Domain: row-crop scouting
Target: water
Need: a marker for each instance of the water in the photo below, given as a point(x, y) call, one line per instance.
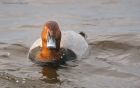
point(112, 27)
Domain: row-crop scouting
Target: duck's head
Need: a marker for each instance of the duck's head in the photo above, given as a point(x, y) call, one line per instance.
point(51, 37)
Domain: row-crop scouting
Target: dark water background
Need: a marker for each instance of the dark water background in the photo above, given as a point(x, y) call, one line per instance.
point(112, 27)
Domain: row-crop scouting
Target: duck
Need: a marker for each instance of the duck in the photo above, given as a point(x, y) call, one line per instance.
point(56, 46)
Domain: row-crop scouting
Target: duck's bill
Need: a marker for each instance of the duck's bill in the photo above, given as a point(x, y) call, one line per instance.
point(51, 43)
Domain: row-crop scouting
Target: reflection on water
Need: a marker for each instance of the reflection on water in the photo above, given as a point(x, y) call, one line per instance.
point(49, 75)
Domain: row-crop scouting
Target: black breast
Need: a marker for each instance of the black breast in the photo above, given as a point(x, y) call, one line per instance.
point(67, 55)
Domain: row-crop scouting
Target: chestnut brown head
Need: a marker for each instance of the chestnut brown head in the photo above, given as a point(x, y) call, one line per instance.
point(51, 36)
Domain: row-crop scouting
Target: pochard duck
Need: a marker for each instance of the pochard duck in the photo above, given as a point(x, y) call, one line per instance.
point(56, 47)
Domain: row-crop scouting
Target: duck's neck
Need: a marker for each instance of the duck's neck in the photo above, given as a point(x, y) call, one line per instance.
point(49, 54)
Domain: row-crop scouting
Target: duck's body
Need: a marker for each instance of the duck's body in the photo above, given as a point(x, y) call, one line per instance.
point(71, 44)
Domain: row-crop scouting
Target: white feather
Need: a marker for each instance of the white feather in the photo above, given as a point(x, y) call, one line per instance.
point(74, 42)
point(37, 43)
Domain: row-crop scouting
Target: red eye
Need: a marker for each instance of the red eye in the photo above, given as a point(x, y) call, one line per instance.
point(49, 34)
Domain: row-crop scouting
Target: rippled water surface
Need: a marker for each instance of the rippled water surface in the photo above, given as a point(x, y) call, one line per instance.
point(112, 28)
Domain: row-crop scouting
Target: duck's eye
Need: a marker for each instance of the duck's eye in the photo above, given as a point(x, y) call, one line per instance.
point(49, 34)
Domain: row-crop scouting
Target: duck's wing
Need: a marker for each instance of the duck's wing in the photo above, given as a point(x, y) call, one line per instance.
point(74, 42)
point(37, 43)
